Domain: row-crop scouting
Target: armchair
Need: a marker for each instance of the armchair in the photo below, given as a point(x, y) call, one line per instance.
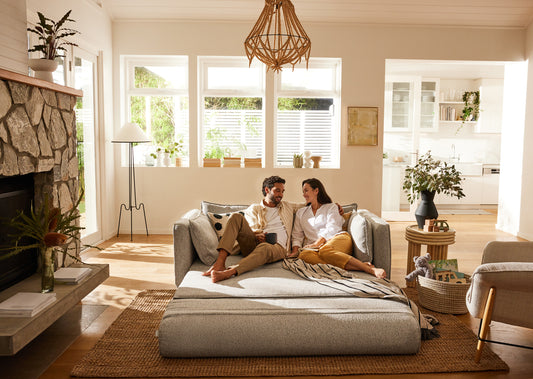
point(502, 288)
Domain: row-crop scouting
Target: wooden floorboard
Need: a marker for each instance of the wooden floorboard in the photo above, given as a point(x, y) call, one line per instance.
point(147, 264)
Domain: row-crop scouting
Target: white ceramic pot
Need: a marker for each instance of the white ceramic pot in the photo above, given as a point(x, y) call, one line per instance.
point(43, 68)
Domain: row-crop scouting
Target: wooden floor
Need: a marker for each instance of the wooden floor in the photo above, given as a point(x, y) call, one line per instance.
point(147, 263)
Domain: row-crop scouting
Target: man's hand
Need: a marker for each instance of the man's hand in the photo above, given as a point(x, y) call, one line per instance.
point(259, 237)
point(341, 211)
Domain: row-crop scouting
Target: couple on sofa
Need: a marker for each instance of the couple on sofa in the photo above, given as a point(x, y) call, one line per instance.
point(317, 235)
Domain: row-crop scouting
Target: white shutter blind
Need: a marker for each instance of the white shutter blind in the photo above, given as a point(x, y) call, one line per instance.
point(242, 129)
point(298, 131)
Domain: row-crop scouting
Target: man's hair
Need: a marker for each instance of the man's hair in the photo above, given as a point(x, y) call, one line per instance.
point(270, 181)
point(322, 196)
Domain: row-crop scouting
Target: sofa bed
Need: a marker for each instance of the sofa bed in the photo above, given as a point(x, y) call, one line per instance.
point(270, 311)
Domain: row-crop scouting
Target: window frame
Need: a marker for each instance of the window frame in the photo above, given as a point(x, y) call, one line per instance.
point(336, 65)
point(204, 63)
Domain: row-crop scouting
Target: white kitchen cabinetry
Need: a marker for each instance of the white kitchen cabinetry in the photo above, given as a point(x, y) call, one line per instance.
point(411, 103)
point(472, 188)
point(490, 105)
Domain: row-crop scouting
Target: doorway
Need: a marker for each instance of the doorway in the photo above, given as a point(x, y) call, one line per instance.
point(423, 112)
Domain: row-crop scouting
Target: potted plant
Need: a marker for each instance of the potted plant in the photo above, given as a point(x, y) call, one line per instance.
point(48, 230)
point(428, 177)
point(298, 160)
point(175, 150)
point(215, 152)
point(52, 44)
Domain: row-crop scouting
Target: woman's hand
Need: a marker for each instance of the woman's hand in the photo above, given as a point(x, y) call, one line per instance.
point(317, 244)
point(294, 253)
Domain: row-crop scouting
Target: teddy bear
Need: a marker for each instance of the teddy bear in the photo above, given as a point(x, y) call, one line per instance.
point(422, 267)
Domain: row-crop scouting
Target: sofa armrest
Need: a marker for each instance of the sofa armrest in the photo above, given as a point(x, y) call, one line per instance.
point(381, 241)
point(184, 253)
point(507, 251)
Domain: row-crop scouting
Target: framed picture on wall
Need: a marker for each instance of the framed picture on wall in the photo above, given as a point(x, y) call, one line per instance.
point(362, 126)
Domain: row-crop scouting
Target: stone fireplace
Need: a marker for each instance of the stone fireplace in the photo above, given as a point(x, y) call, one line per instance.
point(38, 138)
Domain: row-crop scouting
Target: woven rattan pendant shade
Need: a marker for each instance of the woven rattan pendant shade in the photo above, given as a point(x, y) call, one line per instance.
point(278, 38)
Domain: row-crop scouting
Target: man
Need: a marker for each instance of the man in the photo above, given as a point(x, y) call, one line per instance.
point(272, 215)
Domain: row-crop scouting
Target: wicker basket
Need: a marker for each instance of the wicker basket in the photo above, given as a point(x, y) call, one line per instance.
point(441, 296)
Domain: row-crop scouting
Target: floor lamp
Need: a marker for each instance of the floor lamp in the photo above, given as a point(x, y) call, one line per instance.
point(131, 133)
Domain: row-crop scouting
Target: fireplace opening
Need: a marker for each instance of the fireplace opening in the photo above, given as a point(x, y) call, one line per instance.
point(16, 193)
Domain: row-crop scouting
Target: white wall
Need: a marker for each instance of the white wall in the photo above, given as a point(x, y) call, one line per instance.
point(95, 37)
point(13, 41)
point(526, 218)
point(170, 192)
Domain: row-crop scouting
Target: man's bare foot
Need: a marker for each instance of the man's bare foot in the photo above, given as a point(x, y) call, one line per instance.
point(216, 267)
point(379, 273)
point(217, 276)
point(220, 263)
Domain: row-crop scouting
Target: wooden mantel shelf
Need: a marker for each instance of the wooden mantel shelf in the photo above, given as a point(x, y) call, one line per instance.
point(16, 77)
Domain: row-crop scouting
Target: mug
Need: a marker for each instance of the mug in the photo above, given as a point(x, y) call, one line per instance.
point(271, 238)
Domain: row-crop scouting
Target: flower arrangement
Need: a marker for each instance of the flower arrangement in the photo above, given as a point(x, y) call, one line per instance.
point(432, 175)
point(52, 36)
point(48, 230)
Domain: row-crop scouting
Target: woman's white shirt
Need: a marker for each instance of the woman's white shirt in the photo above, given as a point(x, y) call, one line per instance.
point(308, 227)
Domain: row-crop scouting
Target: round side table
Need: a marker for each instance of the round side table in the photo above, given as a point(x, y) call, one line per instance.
point(437, 245)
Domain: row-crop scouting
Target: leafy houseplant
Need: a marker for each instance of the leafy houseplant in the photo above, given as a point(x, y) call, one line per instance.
point(428, 177)
point(48, 230)
point(298, 160)
point(52, 44)
point(52, 36)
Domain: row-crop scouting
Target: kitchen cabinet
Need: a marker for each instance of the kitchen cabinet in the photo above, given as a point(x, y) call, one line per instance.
point(411, 103)
point(491, 106)
point(472, 188)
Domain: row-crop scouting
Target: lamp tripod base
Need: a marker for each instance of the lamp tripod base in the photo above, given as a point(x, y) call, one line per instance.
point(130, 209)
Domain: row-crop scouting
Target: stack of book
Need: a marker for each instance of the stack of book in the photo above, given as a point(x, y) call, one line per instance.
point(26, 304)
point(71, 275)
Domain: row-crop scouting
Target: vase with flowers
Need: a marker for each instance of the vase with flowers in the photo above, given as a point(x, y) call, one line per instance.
point(50, 231)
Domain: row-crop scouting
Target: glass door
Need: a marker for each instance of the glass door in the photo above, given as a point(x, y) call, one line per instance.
point(84, 76)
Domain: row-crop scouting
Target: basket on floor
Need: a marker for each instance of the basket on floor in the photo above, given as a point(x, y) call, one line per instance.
point(443, 297)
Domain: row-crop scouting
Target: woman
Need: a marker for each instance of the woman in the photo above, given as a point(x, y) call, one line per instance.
point(318, 228)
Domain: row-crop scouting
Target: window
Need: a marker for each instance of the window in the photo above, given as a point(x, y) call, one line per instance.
point(157, 99)
point(307, 119)
point(232, 107)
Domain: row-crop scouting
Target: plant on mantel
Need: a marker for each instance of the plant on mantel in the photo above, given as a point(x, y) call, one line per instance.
point(470, 109)
point(52, 36)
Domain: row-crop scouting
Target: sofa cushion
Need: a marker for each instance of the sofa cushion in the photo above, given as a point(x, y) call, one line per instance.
point(221, 208)
point(203, 236)
point(361, 231)
point(219, 221)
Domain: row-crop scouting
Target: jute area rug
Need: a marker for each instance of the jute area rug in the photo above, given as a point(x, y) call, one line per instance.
point(129, 348)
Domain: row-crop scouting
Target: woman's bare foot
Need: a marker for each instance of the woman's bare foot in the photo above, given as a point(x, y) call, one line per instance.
point(379, 273)
point(217, 276)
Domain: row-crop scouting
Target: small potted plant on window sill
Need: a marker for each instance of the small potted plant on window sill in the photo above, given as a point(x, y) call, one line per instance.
point(298, 160)
point(52, 37)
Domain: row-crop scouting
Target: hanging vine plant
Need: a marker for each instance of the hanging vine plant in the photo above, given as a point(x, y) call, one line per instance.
point(471, 107)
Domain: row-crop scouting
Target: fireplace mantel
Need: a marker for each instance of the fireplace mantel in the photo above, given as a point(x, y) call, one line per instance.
point(16, 77)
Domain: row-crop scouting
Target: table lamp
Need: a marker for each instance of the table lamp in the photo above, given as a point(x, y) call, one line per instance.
point(131, 133)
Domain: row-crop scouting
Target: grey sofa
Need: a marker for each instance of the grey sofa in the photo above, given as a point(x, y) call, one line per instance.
point(270, 311)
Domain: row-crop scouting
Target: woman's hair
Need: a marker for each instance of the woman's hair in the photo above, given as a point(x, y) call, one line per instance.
point(322, 197)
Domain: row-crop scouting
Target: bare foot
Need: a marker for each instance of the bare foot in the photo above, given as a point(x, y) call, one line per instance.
point(220, 263)
point(379, 273)
point(217, 276)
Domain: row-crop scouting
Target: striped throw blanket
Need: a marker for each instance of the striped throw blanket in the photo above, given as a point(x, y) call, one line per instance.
point(346, 281)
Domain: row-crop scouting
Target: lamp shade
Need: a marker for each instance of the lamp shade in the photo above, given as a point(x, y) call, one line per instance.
point(130, 132)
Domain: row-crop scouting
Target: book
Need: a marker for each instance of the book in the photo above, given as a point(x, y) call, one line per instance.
point(444, 264)
point(71, 274)
point(26, 304)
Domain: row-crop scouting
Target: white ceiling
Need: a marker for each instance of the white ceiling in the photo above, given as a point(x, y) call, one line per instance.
point(445, 69)
point(471, 13)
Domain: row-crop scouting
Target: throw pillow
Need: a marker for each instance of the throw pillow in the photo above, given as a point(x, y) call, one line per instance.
point(221, 208)
point(346, 217)
point(204, 238)
point(361, 232)
point(219, 221)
